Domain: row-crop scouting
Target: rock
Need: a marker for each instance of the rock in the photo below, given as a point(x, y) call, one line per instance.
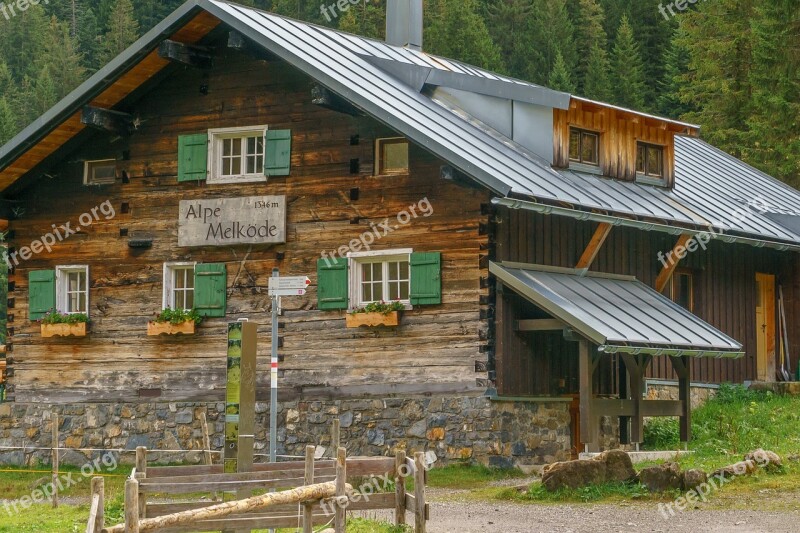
point(185, 416)
point(693, 478)
point(346, 419)
point(742, 468)
point(661, 477)
point(417, 429)
point(618, 465)
point(793, 457)
point(292, 416)
point(766, 459)
point(573, 474)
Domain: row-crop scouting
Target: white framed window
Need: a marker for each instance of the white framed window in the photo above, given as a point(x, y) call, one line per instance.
point(72, 289)
point(380, 276)
point(100, 172)
point(179, 286)
point(236, 155)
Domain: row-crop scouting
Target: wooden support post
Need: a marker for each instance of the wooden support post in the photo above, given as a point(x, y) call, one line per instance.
point(131, 506)
point(671, 262)
point(400, 488)
point(141, 473)
point(590, 254)
point(684, 370)
point(419, 492)
point(98, 490)
point(308, 507)
point(54, 461)
point(637, 366)
point(335, 435)
point(624, 421)
point(585, 371)
point(339, 519)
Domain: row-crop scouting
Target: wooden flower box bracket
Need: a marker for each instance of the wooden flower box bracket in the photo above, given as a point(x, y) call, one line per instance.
point(168, 328)
point(356, 320)
point(77, 329)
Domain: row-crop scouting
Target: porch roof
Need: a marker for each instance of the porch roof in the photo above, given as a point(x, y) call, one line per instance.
point(618, 313)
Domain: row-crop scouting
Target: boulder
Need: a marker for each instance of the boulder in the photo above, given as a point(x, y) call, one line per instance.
point(742, 468)
point(693, 478)
point(573, 474)
point(619, 466)
point(769, 460)
point(662, 477)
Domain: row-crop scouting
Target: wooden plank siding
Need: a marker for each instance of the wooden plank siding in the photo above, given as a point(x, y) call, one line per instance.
point(619, 132)
point(724, 295)
point(434, 349)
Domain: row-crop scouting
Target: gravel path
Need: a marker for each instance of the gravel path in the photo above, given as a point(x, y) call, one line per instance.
point(480, 517)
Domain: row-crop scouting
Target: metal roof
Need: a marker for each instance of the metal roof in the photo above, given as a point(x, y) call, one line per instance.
point(711, 188)
point(618, 313)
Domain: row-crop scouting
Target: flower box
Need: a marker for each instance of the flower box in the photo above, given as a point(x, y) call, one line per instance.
point(168, 328)
point(355, 320)
point(77, 329)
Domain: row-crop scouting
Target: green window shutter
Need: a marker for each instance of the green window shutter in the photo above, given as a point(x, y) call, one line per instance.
point(278, 160)
point(426, 278)
point(192, 157)
point(41, 293)
point(332, 285)
point(210, 289)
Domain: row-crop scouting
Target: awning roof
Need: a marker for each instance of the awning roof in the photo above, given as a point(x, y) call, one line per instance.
point(618, 313)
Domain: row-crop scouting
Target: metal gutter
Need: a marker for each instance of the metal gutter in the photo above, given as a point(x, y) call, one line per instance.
point(675, 352)
point(644, 226)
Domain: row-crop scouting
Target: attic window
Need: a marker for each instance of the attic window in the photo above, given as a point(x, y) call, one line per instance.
point(102, 172)
point(392, 155)
point(236, 155)
point(650, 162)
point(584, 147)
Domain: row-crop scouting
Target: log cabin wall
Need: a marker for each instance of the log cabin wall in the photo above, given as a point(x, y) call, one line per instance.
point(619, 132)
point(332, 197)
point(724, 292)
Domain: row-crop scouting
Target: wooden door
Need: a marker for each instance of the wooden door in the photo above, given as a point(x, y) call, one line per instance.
point(765, 327)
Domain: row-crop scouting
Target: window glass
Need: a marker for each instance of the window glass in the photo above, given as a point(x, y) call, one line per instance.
point(584, 146)
point(574, 144)
point(388, 280)
point(682, 290)
point(182, 294)
point(393, 155)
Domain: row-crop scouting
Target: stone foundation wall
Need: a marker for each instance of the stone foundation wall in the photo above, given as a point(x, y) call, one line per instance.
point(472, 428)
point(660, 391)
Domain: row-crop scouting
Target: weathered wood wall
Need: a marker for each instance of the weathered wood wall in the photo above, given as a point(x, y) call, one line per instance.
point(619, 132)
point(435, 348)
point(724, 278)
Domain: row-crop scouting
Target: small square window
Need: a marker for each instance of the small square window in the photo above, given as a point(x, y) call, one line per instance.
point(392, 155)
point(650, 161)
point(102, 172)
point(179, 286)
point(584, 147)
point(72, 289)
point(681, 289)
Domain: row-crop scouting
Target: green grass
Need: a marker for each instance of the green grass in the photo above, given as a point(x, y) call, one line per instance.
point(606, 492)
point(464, 476)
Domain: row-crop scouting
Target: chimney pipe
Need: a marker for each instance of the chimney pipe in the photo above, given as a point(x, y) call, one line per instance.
point(404, 23)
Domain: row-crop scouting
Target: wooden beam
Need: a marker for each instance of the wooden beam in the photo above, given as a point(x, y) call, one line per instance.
point(588, 425)
point(121, 124)
point(323, 97)
point(671, 261)
point(684, 370)
point(544, 324)
point(590, 254)
point(187, 54)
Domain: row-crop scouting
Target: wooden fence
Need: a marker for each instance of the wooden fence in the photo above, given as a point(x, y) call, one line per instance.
point(313, 493)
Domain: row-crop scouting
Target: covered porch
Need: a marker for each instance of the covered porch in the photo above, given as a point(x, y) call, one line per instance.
point(614, 326)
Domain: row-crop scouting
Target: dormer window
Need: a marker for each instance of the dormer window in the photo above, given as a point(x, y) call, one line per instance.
point(584, 147)
point(650, 163)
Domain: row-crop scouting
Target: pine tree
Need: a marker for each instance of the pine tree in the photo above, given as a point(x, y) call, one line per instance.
point(61, 58)
point(553, 33)
point(627, 69)
point(510, 23)
point(454, 29)
point(774, 136)
point(89, 40)
point(45, 94)
point(123, 30)
point(669, 102)
point(367, 19)
point(589, 33)
point(8, 122)
point(597, 82)
point(560, 77)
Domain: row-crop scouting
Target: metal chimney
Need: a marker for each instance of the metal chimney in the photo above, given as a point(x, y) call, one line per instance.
point(404, 23)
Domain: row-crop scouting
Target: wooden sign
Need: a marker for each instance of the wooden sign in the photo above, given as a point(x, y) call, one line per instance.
point(226, 221)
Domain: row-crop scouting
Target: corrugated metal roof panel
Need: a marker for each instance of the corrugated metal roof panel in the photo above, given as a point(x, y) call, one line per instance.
point(614, 311)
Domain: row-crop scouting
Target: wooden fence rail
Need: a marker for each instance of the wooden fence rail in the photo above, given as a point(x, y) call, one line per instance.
point(312, 493)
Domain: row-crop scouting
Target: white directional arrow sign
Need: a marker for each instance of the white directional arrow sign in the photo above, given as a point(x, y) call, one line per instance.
point(288, 286)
